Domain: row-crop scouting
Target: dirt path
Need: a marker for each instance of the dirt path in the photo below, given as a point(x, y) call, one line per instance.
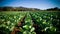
point(20, 24)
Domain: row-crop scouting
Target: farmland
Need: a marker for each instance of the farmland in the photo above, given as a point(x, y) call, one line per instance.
point(24, 22)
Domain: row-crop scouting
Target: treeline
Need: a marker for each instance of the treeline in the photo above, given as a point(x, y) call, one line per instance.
point(53, 9)
point(18, 9)
point(26, 9)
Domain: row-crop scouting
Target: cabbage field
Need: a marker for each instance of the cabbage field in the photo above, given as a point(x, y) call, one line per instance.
point(25, 22)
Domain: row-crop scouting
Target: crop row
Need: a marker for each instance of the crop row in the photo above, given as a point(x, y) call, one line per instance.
point(46, 22)
point(9, 21)
point(30, 22)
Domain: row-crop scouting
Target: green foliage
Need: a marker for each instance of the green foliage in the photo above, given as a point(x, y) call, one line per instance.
point(48, 22)
point(9, 20)
point(34, 22)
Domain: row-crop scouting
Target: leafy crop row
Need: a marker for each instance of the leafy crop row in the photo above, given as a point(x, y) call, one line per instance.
point(9, 21)
point(34, 22)
point(48, 22)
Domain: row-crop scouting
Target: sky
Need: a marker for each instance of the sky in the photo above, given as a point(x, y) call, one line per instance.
point(40, 4)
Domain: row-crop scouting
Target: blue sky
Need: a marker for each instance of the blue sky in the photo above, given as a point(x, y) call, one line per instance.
point(40, 4)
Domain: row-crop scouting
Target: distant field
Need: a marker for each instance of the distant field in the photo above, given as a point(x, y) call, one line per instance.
point(26, 22)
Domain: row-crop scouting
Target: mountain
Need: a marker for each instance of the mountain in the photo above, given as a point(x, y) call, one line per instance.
point(18, 9)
